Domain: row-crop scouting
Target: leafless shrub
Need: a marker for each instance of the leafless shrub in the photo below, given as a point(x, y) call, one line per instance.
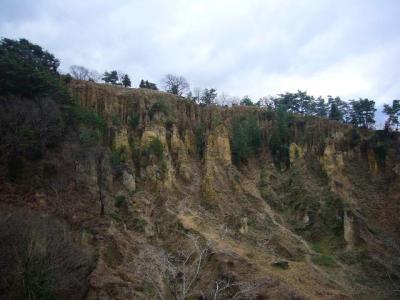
point(177, 272)
point(38, 260)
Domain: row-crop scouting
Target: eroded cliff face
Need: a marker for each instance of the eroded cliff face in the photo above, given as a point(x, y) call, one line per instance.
point(182, 220)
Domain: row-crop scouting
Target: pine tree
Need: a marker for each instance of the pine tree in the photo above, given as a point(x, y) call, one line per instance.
point(363, 113)
point(126, 81)
point(393, 113)
point(110, 77)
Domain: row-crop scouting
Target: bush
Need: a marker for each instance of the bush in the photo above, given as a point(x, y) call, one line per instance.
point(169, 123)
point(38, 260)
point(118, 158)
point(156, 148)
point(88, 137)
point(134, 120)
point(90, 118)
point(159, 106)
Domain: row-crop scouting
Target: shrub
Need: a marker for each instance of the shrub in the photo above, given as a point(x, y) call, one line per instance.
point(159, 106)
point(90, 118)
point(118, 158)
point(134, 120)
point(156, 148)
point(169, 122)
point(38, 260)
point(88, 137)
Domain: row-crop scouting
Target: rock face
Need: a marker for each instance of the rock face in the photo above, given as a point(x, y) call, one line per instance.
point(128, 179)
point(181, 209)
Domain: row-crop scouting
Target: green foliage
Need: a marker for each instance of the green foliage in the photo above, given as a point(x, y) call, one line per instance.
point(363, 113)
point(246, 138)
point(89, 137)
point(155, 147)
point(92, 126)
point(169, 122)
point(200, 135)
point(27, 70)
point(90, 118)
point(126, 81)
point(354, 138)
point(393, 113)
point(246, 101)
point(118, 158)
point(208, 96)
point(148, 85)
point(134, 120)
point(115, 216)
point(279, 142)
point(324, 260)
point(159, 106)
point(110, 77)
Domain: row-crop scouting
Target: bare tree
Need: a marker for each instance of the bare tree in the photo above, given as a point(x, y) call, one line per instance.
point(94, 76)
point(79, 72)
point(176, 85)
point(197, 94)
point(235, 290)
point(180, 270)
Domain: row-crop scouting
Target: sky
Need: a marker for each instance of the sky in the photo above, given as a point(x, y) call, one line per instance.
point(257, 48)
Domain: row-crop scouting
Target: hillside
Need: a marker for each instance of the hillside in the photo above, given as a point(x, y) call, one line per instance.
point(164, 200)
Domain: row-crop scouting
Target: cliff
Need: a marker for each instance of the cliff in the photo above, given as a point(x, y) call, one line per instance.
point(184, 218)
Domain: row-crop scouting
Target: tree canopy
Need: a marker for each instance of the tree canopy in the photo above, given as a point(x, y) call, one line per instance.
point(110, 77)
point(393, 113)
point(26, 69)
point(148, 85)
point(126, 82)
point(362, 113)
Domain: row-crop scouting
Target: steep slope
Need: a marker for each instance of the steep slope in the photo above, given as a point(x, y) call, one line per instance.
point(183, 218)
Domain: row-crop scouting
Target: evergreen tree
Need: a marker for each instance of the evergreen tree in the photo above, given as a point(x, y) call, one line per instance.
point(279, 142)
point(110, 77)
point(321, 108)
point(27, 70)
point(363, 113)
point(393, 113)
point(126, 81)
point(148, 85)
point(208, 96)
point(246, 138)
point(246, 101)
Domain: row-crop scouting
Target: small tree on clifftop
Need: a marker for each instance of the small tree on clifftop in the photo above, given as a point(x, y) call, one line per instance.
point(126, 81)
point(110, 77)
point(176, 85)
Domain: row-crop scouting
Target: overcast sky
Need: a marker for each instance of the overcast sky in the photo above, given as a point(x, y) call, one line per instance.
point(347, 48)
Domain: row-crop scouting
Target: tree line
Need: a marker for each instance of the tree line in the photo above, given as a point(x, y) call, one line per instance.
point(40, 66)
